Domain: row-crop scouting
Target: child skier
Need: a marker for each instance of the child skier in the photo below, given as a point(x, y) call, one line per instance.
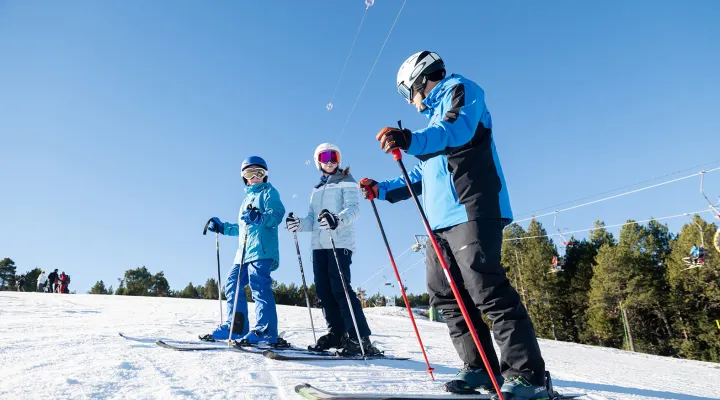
point(260, 214)
point(333, 209)
point(467, 204)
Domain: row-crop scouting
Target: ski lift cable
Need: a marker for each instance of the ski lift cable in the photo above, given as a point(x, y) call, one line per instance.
point(386, 266)
point(702, 190)
point(362, 89)
point(617, 195)
point(608, 226)
point(416, 263)
point(347, 59)
point(619, 188)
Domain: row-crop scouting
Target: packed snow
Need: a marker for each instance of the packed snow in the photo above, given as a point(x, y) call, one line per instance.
point(68, 347)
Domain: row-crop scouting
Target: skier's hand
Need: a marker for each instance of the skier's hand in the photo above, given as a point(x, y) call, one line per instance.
point(394, 138)
point(252, 217)
point(215, 225)
point(369, 188)
point(292, 223)
point(328, 220)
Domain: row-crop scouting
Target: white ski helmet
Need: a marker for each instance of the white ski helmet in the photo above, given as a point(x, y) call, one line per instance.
point(325, 147)
point(414, 71)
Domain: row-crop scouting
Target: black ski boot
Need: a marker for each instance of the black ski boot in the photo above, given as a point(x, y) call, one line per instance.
point(331, 340)
point(469, 380)
point(351, 346)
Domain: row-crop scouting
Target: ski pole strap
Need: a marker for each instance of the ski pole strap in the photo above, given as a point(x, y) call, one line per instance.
point(206, 226)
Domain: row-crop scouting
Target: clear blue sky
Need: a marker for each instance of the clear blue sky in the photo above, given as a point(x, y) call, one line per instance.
point(123, 123)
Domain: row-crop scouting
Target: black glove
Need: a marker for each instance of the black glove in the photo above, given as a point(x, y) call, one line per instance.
point(393, 138)
point(328, 220)
point(292, 223)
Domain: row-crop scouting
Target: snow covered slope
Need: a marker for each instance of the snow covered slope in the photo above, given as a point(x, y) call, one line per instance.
point(67, 347)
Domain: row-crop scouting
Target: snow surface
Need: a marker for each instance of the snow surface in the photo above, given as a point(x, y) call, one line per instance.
point(67, 346)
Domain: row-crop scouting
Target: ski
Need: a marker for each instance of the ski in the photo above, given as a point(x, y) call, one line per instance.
point(305, 355)
point(312, 393)
point(167, 341)
point(218, 345)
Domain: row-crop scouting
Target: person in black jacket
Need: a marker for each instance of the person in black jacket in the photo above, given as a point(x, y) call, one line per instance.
point(53, 281)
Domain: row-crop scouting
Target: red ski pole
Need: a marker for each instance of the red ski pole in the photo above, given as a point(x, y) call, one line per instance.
point(402, 289)
point(397, 155)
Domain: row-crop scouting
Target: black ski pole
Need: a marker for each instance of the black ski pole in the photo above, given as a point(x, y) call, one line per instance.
point(305, 288)
point(397, 155)
point(217, 254)
point(347, 296)
point(237, 284)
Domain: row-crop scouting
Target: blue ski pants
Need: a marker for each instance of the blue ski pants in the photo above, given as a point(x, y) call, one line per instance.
point(257, 275)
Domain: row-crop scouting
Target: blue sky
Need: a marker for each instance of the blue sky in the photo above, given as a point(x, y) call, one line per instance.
point(123, 124)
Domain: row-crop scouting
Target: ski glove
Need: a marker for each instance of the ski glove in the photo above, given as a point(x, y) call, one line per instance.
point(369, 188)
point(252, 217)
point(328, 220)
point(215, 225)
point(292, 223)
point(394, 138)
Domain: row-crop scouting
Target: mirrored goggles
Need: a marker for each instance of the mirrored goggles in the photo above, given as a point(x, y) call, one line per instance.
point(329, 156)
point(405, 91)
point(250, 173)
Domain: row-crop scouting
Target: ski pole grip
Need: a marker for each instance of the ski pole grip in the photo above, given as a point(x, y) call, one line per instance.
point(397, 155)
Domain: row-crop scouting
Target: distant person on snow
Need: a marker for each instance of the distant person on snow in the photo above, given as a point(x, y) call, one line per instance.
point(64, 282)
point(53, 281)
point(20, 284)
point(467, 205)
point(260, 214)
point(334, 208)
point(41, 281)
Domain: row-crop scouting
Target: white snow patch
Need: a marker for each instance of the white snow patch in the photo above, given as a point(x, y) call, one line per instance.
point(68, 347)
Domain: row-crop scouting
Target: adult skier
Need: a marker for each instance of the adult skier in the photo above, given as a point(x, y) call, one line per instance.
point(20, 284)
point(467, 205)
point(334, 208)
point(41, 281)
point(53, 281)
point(260, 214)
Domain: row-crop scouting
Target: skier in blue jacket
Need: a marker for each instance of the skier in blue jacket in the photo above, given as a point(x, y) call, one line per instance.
point(467, 205)
point(260, 214)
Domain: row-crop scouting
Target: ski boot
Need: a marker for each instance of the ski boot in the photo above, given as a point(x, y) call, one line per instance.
point(520, 388)
point(331, 340)
point(351, 346)
point(261, 339)
point(222, 332)
point(469, 380)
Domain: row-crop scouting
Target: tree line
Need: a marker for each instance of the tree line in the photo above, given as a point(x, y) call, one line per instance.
point(631, 292)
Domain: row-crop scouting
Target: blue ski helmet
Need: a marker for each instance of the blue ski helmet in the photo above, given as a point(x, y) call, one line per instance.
point(253, 160)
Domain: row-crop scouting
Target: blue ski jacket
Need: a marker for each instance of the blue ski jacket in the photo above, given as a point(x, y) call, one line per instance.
point(262, 240)
point(459, 175)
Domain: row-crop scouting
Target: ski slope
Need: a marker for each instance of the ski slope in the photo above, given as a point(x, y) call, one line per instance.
point(68, 347)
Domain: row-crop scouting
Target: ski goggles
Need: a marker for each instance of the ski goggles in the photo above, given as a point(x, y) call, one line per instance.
point(405, 91)
point(329, 156)
point(250, 173)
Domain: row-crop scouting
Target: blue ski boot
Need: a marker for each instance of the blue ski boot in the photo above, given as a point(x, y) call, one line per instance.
point(221, 333)
point(469, 380)
point(520, 388)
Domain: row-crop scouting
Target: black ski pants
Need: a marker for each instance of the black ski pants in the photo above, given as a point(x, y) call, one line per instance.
point(472, 251)
point(331, 296)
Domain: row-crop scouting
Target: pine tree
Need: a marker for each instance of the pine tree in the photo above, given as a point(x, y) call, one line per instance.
point(99, 288)
point(190, 292)
point(694, 295)
point(211, 290)
point(7, 274)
